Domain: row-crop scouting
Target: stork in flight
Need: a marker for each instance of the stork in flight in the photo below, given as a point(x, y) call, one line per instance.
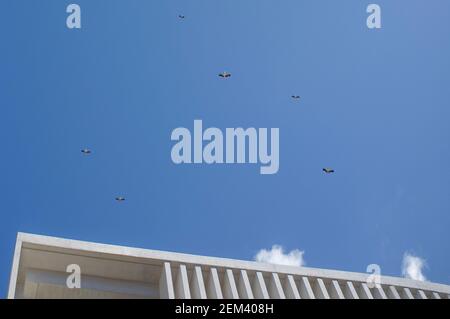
point(86, 151)
point(224, 75)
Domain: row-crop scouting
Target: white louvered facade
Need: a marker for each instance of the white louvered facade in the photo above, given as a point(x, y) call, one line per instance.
point(107, 271)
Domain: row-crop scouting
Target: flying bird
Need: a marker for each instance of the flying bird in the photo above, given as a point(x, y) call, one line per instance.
point(120, 198)
point(224, 75)
point(181, 16)
point(295, 97)
point(86, 151)
point(328, 170)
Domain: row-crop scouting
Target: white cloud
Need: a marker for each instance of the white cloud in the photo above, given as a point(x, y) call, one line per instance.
point(412, 267)
point(277, 256)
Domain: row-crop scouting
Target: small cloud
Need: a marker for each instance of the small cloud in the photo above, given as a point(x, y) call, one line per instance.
point(277, 256)
point(412, 267)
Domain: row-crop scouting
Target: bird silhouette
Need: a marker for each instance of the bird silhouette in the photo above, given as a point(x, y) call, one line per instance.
point(120, 198)
point(224, 75)
point(295, 96)
point(181, 16)
point(328, 170)
point(86, 151)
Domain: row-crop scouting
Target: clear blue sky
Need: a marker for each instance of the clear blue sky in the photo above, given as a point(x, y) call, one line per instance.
point(375, 106)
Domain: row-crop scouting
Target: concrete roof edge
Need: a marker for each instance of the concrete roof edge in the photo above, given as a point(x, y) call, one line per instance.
point(15, 267)
point(64, 243)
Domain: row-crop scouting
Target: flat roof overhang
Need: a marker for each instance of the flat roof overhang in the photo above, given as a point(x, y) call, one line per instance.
point(128, 272)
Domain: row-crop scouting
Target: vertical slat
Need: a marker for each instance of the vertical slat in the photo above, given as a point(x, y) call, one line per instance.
point(229, 286)
point(166, 290)
point(436, 295)
point(305, 289)
point(259, 287)
point(336, 291)
point(421, 294)
point(406, 293)
point(364, 291)
point(213, 289)
point(291, 288)
point(198, 286)
point(393, 293)
point(182, 290)
point(350, 291)
point(244, 287)
point(379, 293)
point(320, 291)
point(275, 288)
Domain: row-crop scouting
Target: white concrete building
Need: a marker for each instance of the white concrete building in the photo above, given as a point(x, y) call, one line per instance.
point(107, 271)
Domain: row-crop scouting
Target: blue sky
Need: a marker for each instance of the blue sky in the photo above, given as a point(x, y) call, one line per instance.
point(375, 106)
